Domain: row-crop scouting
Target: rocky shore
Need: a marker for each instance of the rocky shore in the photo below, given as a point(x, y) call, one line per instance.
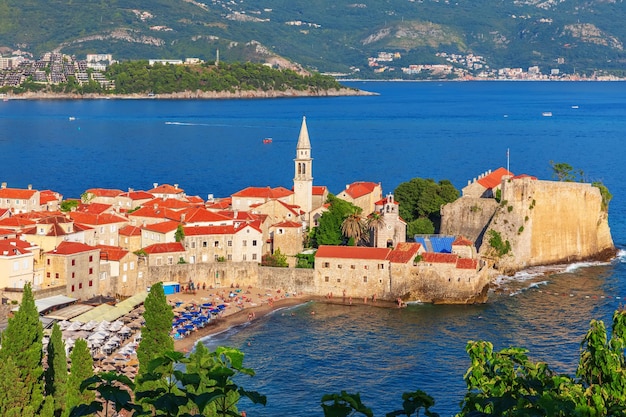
point(187, 95)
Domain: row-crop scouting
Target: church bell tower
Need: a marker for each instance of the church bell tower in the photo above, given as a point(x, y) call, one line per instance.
point(303, 178)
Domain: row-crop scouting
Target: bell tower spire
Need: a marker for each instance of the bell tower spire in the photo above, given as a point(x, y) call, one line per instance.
point(303, 176)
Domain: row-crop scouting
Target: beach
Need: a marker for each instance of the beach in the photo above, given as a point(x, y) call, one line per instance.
point(250, 304)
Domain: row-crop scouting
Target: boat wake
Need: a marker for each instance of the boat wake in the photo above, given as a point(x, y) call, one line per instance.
point(186, 124)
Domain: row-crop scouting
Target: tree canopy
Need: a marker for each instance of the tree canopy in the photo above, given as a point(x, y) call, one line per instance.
point(422, 199)
point(329, 228)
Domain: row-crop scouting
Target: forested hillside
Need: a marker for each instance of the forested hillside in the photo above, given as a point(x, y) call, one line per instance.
point(340, 35)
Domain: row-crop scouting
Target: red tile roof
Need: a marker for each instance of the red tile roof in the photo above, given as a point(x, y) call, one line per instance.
point(466, 263)
point(96, 219)
point(158, 213)
point(264, 192)
point(360, 188)
point(104, 192)
point(439, 258)
point(404, 252)
point(17, 193)
point(14, 247)
point(137, 195)
point(319, 190)
point(164, 248)
point(130, 230)
point(166, 189)
point(170, 203)
point(3, 211)
point(495, 178)
point(221, 204)
point(288, 224)
point(111, 253)
point(16, 221)
point(163, 227)
point(383, 201)
point(462, 241)
point(6, 232)
point(201, 215)
point(352, 252)
point(238, 215)
point(194, 199)
point(71, 248)
point(209, 230)
point(47, 196)
point(93, 208)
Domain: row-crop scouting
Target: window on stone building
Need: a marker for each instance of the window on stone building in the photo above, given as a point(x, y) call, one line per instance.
point(338, 279)
point(326, 279)
point(352, 266)
point(159, 261)
point(72, 288)
point(47, 261)
point(254, 243)
point(90, 258)
point(215, 257)
point(193, 244)
point(56, 275)
point(73, 274)
point(170, 260)
point(230, 243)
point(244, 243)
point(80, 285)
point(339, 266)
point(364, 278)
point(254, 256)
point(244, 257)
point(90, 271)
point(326, 264)
point(132, 265)
point(90, 283)
point(205, 244)
point(366, 267)
point(216, 243)
point(230, 257)
point(73, 262)
point(47, 274)
point(381, 266)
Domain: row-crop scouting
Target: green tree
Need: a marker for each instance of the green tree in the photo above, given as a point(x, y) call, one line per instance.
point(353, 227)
point(423, 198)
point(68, 205)
point(179, 235)
point(155, 335)
point(277, 259)
point(328, 230)
point(604, 192)
point(56, 375)
point(421, 226)
point(80, 370)
point(13, 394)
point(22, 342)
point(374, 223)
point(565, 172)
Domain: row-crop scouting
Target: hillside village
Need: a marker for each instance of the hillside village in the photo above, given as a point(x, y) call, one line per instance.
point(114, 244)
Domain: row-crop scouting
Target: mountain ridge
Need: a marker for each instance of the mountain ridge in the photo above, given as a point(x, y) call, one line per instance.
point(339, 36)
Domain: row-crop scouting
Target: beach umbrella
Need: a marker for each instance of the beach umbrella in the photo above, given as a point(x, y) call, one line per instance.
point(64, 324)
point(125, 330)
point(90, 325)
point(109, 368)
point(75, 326)
point(104, 325)
point(116, 326)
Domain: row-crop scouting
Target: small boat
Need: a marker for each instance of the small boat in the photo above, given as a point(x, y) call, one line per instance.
point(574, 107)
point(267, 140)
point(72, 118)
point(547, 114)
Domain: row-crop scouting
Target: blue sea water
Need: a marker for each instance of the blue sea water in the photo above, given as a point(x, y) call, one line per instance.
point(436, 130)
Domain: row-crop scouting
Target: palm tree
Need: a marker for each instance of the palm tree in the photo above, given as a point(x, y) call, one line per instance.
point(354, 227)
point(375, 222)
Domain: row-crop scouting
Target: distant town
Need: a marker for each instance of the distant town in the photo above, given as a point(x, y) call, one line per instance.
point(56, 69)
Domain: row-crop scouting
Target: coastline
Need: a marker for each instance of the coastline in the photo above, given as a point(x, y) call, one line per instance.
point(234, 319)
point(195, 95)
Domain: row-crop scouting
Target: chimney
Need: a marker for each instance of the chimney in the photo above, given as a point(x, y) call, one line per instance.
point(4, 185)
point(30, 186)
point(155, 184)
point(130, 190)
point(182, 217)
point(175, 185)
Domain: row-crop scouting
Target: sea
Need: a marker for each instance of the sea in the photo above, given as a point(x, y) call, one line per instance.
point(447, 130)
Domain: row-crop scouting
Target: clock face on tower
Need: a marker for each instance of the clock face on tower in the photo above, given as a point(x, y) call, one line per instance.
point(389, 227)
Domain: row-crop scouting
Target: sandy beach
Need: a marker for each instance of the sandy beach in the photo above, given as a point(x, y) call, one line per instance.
point(250, 304)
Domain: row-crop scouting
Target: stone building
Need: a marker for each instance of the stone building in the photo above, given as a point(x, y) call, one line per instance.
point(119, 270)
point(487, 184)
point(303, 176)
point(362, 194)
point(19, 200)
point(391, 229)
point(17, 258)
point(75, 264)
point(288, 236)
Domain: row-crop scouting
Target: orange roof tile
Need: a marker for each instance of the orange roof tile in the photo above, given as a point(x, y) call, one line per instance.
point(462, 241)
point(130, 230)
point(17, 193)
point(221, 204)
point(264, 192)
point(495, 178)
point(71, 248)
point(170, 203)
point(209, 230)
point(137, 195)
point(360, 188)
point(93, 208)
point(466, 263)
point(14, 247)
point(166, 189)
point(404, 252)
point(352, 252)
point(439, 258)
point(16, 221)
point(163, 227)
point(6, 232)
point(104, 192)
point(319, 190)
point(158, 213)
point(288, 224)
point(111, 253)
point(96, 219)
point(164, 248)
point(201, 215)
